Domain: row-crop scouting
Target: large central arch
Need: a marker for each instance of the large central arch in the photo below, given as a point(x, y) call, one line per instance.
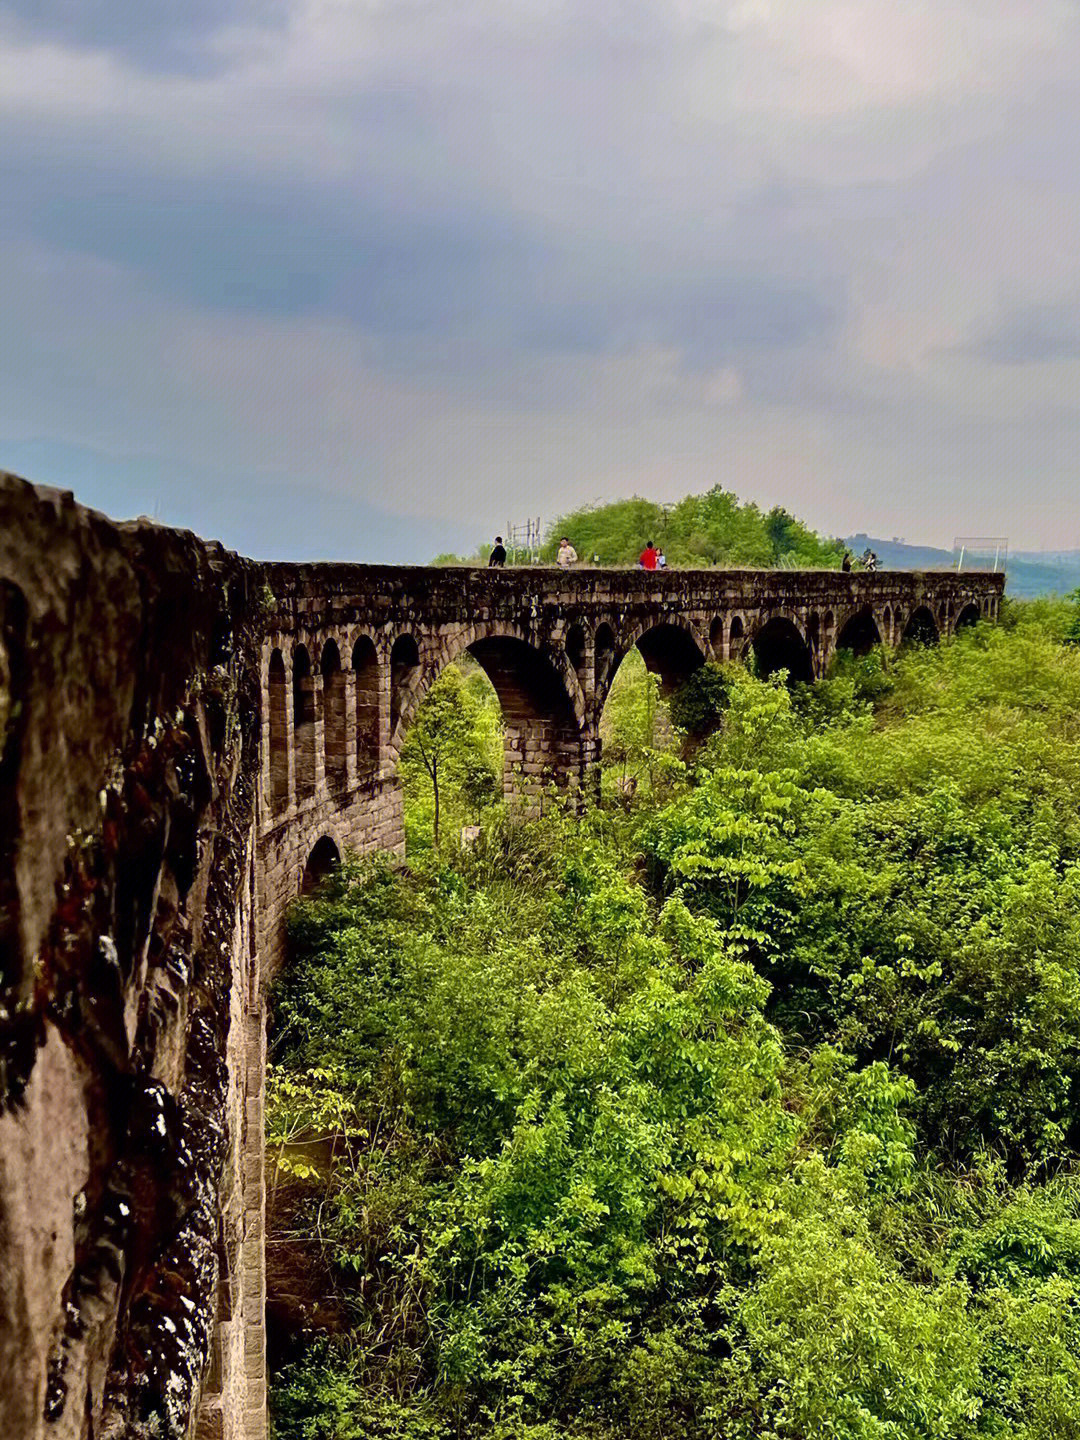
point(539, 696)
point(921, 628)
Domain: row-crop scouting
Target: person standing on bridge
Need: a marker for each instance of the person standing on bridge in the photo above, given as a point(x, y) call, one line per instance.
point(497, 558)
point(567, 555)
point(845, 564)
point(649, 556)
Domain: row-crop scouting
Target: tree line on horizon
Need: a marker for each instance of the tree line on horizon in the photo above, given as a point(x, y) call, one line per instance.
point(713, 529)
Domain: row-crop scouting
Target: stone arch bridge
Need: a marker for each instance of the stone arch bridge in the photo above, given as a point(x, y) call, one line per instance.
point(348, 653)
point(184, 737)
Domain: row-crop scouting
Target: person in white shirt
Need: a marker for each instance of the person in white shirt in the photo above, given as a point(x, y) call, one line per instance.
point(661, 560)
point(567, 555)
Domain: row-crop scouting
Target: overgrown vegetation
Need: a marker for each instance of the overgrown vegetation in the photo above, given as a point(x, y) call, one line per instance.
point(744, 1106)
point(452, 760)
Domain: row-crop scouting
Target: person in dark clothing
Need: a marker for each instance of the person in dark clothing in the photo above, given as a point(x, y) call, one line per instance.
point(845, 564)
point(497, 557)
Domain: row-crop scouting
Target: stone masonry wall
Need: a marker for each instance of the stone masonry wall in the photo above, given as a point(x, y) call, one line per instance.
point(129, 745)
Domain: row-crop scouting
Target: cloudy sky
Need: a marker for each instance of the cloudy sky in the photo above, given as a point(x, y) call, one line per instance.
point(365, 278)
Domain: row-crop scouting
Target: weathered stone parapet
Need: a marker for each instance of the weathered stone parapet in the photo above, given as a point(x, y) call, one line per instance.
point(130, 755)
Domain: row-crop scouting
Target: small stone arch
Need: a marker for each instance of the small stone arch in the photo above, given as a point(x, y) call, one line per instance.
point(576, 646)
point(779, 645)
point(716, 637)
point(365, 665)
point(303, 722)
point(859, 632)
point(736, 637)
point(921, 628)
point(969, 615)
point(334, 738)
point(278, 737)
point(605, 657)
point(323, 859)
point(404, 675)
point(813, 637)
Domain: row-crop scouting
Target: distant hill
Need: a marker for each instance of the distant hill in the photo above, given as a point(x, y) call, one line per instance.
point(1028, 574)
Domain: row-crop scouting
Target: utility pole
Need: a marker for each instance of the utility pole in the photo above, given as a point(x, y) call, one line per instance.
point(523, 541)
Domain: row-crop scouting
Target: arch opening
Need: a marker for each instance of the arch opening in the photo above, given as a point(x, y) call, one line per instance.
point(325, 857)
point(672, 653)
point(736, 638)
point(921, 628)
point(452, 757)
point(542, 739)
point(334, 713)
point(303, 722)
point(365, 664)
point(859, 633)
point(527, 719)
point(576, 646)
point(813, 638)
point(605, 656)
point(635, 730)
point(404, 673)
point(779, 645)
point(716, 637)
point(969, 615)
point(279, 733)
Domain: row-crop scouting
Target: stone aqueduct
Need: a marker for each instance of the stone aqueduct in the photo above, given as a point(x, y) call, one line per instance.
point(187, 737)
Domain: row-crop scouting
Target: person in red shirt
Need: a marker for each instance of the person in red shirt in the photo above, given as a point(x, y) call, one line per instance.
point(648, 557)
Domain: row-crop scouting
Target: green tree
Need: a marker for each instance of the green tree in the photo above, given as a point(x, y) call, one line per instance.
point(710, 529)
point(449, 743)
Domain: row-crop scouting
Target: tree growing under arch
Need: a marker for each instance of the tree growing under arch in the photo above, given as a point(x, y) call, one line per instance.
point(453, 744)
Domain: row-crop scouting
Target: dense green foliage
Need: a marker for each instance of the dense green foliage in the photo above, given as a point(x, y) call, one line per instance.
point(710, 529)
point(452, 759)
point(700, 530)
point(744, 1109)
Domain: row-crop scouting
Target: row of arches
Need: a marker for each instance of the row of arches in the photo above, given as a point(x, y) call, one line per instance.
point(365, 705)
point(779, 644)
point(351, 714)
